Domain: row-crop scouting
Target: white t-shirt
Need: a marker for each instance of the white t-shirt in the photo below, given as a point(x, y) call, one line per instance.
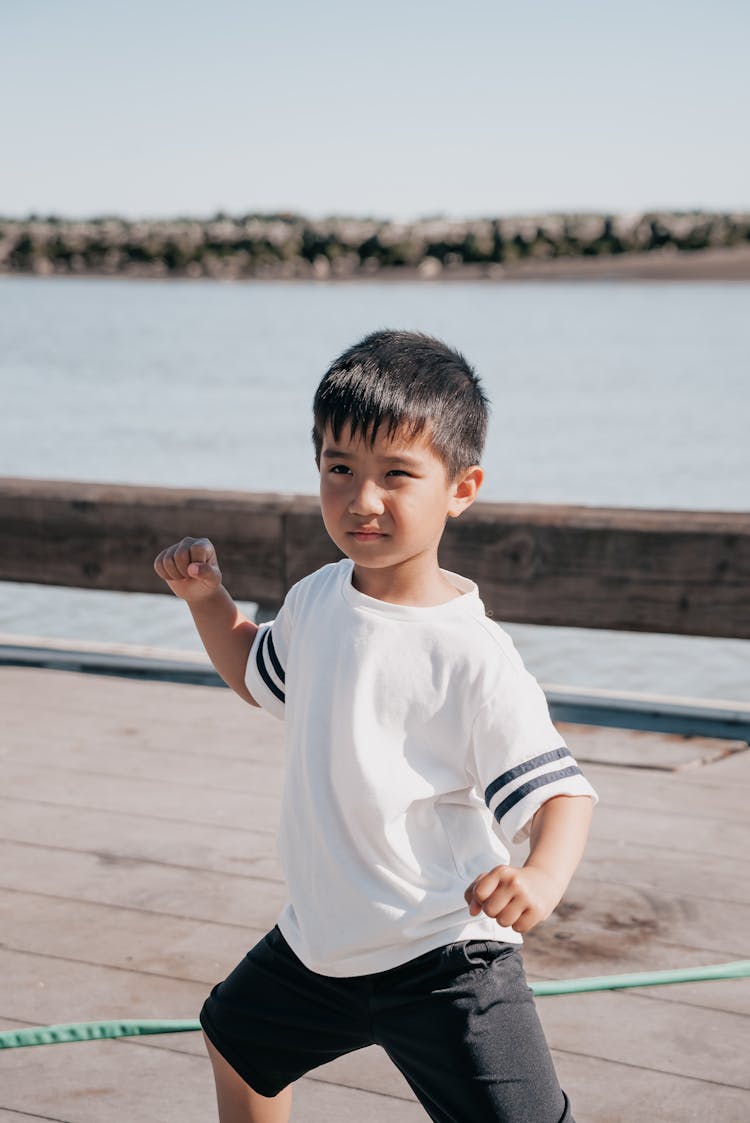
point(417, 744)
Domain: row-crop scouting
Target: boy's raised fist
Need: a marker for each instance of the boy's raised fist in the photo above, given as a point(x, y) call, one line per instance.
point(190, 568)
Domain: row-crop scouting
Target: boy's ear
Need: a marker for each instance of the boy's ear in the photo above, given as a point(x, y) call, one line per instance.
point(464, 490)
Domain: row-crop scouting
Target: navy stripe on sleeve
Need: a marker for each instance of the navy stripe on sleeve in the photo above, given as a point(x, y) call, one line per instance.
point(531, 785)
point(259, 659)
point(522, 769)
point(274, 658)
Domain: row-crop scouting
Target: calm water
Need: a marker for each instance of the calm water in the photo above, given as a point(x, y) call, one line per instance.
point(603, 393)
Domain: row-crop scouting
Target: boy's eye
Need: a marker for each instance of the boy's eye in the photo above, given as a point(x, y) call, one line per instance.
point(339, 468)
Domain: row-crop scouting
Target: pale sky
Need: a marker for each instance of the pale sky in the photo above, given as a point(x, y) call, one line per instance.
point(393, 108)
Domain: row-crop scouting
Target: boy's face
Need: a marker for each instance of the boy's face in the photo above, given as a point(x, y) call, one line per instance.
point(388, 505)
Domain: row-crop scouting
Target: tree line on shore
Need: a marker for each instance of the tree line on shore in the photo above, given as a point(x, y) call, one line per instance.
point(290, 245)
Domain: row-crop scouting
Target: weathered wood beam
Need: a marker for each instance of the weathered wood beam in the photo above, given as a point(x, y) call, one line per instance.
point(644, 570)
point(686, 572)
point(106, 536)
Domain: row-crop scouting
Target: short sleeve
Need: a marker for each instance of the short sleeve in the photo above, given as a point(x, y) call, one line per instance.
point(265, 674)
point(520, 758)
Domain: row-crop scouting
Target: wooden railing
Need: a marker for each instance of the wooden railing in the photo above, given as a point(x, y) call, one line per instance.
point(686, 572)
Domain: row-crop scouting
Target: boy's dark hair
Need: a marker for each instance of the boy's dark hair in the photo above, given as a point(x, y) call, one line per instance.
point(410, 381)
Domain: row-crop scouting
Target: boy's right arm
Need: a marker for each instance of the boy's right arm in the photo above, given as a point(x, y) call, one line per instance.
point(191, 570)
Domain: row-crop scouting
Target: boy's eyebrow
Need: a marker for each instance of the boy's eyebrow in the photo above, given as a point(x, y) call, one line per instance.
point(399, 458)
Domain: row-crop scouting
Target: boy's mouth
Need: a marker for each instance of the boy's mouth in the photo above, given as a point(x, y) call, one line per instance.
point(365, 535)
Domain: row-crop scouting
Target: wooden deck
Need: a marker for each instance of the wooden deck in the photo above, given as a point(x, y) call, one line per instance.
point(137, 865)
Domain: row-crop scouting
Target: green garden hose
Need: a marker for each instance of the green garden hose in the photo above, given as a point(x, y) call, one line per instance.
point(97, 1031)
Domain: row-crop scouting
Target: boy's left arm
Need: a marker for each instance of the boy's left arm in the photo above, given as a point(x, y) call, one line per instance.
point(519, 898)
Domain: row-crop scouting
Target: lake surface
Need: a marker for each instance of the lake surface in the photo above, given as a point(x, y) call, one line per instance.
point(604, 393)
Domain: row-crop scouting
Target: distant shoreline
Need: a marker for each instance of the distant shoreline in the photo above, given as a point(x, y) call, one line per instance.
point(720, 264)
point(660, 246)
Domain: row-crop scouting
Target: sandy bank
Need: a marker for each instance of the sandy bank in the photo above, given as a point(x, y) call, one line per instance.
point(694, 265)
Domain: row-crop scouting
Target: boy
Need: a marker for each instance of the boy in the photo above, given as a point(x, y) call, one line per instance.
point(417, 744)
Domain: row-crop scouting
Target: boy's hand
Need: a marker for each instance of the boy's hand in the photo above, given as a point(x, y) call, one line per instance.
point(190, 568)
point(515, 898)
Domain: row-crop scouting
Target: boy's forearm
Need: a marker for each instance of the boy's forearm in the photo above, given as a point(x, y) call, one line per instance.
point(227, 636)
point(558, 837)
point(521, 898)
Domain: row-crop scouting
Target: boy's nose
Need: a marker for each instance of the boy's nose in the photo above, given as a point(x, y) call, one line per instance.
point(366, 500)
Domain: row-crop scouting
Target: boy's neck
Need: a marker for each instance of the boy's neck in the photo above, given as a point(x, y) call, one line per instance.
point(418, 583)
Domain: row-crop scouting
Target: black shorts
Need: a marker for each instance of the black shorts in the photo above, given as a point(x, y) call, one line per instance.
point(459, 1022)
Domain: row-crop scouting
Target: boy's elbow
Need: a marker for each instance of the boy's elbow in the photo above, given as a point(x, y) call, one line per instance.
point(241, 690)
point(236, 682)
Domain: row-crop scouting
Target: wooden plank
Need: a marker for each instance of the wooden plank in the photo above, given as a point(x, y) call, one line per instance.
point(671, 793)
point(609, 1092)
point(184, 894)
point(7, 1115)
point(118, 712)
point(184, 845)
point(671, 830)
point(596, 917)
point(249, 811)
point(127, 939)
point(733, 772)
point(636, 748)
point(618, 1026)
point(634, 570)
point(669, 870)
point(193, 769)
point(106, 536)
point(732, 996)
point(44, 994)
point(684, 572)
